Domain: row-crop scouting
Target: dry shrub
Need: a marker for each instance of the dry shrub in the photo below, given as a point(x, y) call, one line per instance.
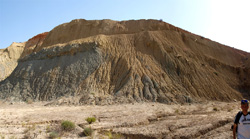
point(67, 125)
point(90, 120)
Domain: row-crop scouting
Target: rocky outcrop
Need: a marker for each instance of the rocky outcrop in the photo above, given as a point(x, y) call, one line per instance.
point(34, 44)
point(52, 73)
point(105, 62)
point(8, 59)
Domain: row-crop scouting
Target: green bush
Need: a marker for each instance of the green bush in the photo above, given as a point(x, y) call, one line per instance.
point(68, 125)
point(113, 135)
point(53, 135)
point(91, 120)
point(87, 131)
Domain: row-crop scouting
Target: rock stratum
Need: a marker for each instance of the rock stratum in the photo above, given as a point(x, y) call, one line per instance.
point(106, 62)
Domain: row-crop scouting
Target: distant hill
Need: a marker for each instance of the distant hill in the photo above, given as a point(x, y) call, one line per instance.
point(105, 62)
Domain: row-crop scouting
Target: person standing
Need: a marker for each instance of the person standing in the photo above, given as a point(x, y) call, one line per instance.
point(242, 122)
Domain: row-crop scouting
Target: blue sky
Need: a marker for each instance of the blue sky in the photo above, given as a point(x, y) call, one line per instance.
point(224, 21)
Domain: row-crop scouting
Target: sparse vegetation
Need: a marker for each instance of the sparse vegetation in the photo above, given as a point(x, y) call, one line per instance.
point(2, 137)
point(12, 137)
point(48, 129)
point(28, 134)
point(23, 124)
point(109, 134)
point(26, 130)
point(216, 73)
point(215, 109)
point(53, 135)
point(113, 135)
point(87, 131)
point(177, 111)
point(29, 101)
point(90, 120)
point(230, 109)
point(67, 125)
point(33, 127)
point(29, 128)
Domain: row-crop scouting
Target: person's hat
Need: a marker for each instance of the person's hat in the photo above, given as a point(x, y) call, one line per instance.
point(244, 101)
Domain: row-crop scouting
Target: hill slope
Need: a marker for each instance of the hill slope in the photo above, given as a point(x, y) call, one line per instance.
point(105, 62)
point(8, 59)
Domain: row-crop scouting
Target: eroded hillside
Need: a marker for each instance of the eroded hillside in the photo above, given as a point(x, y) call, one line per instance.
point(8, 59)
point(106, 62)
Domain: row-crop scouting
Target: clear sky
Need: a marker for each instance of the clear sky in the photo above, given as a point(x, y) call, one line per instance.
point(224, 21)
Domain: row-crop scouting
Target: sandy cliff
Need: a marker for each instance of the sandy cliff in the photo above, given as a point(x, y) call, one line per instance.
point(105, 62)
point(8, 59)
point(34, 44)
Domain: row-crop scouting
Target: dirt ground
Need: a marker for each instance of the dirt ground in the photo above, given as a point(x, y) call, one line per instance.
point(139, 120)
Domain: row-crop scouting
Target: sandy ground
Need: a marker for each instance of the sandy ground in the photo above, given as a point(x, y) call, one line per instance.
point(139, 120)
